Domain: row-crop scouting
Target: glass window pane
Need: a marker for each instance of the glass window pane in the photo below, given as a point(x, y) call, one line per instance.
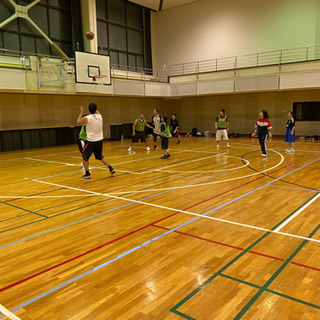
point(28, 44)
point(104, 52)
point(117, 37)
point(134, 16)
point(114, 58)
point(43, 47)
point(39, 15)
point(60, 24)
point(102, 34)
point(135, 41)
point(63, 4)
point(132, 61)
point(123, 59)
point(6, 10)
point(11, 41)
point(140, 63)
point(101, 9)
point(116, 11)
point(68, 49)
point(1, 42)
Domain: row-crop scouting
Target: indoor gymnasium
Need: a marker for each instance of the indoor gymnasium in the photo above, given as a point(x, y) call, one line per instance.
point(159, 159)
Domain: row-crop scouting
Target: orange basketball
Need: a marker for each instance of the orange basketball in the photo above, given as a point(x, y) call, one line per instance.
point(90, 35)
point(252, 136)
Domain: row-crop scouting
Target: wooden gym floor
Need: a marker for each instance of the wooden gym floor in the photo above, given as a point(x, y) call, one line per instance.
point(206, 234)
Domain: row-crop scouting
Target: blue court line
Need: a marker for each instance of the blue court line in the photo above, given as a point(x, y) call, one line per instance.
point(109, 210)
point(148, 242)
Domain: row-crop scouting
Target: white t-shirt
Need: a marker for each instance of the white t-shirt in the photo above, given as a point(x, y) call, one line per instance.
point(94, 127)
point(156, 122)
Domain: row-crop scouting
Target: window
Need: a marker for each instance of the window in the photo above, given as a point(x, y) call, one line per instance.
point(124, 34)
point(52, 16)
point(307, 111)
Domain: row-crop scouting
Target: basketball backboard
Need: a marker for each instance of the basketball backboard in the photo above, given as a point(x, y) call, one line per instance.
point(91, 65)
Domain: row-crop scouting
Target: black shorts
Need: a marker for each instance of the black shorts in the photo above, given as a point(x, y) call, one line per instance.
point(81, 144)
point(139, 135)
point(92, 147)
point(164, 143)
point(155, 135)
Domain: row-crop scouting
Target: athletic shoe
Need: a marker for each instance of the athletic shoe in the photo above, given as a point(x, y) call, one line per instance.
point(179, 142)
point(288, 150)
point(155, 148)
point(228, 145)
point(112, 171)
point(148, 148)
point(86, 176)
point(218, 146)
point(130, 149)
point(263, 155)
point(168, 155)
point(164, 157)
point(291, 150)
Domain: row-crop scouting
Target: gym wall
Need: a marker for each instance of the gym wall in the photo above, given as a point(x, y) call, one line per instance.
point(208, 29)
point(243, 111)
point(28, 111)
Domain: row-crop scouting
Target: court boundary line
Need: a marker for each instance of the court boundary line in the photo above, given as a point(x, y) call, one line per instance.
point(306, 205)
point(125, 235)
point(6, 312)
point(146, 243)
point(49, 217)
point(192, 213)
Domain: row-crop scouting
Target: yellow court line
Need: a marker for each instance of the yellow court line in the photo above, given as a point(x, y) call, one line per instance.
point(206, 183)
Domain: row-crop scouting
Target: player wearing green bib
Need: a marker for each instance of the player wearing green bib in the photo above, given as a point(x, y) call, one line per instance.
point(165, 135)
point(82, 140)
point(138, 131)
point(222, 128)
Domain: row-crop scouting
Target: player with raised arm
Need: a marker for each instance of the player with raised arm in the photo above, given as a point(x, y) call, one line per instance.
point(94, 144)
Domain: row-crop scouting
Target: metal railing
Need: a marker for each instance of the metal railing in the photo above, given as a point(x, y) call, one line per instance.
point(261, 59)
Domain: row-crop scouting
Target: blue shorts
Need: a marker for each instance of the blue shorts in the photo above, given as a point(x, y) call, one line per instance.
point(289, 137)
point(164, 143)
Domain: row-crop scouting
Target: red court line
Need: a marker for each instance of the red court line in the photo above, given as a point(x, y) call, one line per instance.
point(128, 234)
point(237, 248)
point(200, 238)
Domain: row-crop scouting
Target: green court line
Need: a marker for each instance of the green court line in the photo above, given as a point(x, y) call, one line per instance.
point(18, 216)
point(26, 210)
point(273, 292)
point(274, 276)
point(218, 273)
point(86, 206)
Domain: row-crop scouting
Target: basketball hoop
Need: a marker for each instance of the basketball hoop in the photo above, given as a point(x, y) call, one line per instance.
point(99, 78)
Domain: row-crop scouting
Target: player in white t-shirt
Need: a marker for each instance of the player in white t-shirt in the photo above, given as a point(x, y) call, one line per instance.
point(156, 120)
point(94, 145)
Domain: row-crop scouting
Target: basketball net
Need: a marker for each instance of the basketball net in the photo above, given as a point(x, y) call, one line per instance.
point(98, 79)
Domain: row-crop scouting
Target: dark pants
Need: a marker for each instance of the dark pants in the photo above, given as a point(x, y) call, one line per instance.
point(262, 140)
point(155, 136)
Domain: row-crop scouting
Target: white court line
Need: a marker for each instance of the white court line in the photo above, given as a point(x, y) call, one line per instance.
point(206, 183)
point(306, 205)
point(180, 211)
point(40, 197)
point(8, 313)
